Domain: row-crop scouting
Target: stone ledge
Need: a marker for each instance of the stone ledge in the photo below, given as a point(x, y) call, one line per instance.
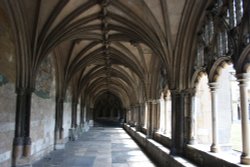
point(159, 153)
point(163, 139)
point(203, 157)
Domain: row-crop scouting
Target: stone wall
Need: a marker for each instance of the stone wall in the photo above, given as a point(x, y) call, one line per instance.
point(7, 91)
point(42, 126)
point(78, 114)
point(7, 122)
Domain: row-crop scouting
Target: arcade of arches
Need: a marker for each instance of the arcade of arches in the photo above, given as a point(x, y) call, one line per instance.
point(173, 73)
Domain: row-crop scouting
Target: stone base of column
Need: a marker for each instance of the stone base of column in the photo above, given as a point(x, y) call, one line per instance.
point(73, 134)
point(214, 148)
point(220, 147)
point(57, 135)
point(17, 151)
point(22, 162)
point(173, 151)
point(86, 127)
point(245, 159)
point(27, 147)
point(149, 134)
point(61, 136)
point(17, 147)
point(130, 123)
point(79, 130)
point(27, 150)
point(59, 141)
point(192, 141)
point(91, 123)
point(60, 144)
point(138, 128)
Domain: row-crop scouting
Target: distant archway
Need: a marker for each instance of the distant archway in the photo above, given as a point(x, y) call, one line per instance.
point(108, 109)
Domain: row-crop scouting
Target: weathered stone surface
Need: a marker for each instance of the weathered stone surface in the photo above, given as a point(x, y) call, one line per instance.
point(7, 120)
point(42, 126)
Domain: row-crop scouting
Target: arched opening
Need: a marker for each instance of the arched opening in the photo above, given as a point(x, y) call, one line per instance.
point(165, 114)
point(229, 133)
point(168, 115)
point(203, 111)
point(108, 110)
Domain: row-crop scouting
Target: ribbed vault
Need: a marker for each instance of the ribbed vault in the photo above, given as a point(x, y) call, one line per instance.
point(132, 49)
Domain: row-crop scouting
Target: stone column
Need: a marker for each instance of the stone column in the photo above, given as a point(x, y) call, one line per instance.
point(73, 132)
point(177, 122)
point(190, 116)
point(165, 116)
point(27, 139)
point(59, 136)
point(146, 115)
point(131, 116)
point(243, 84)
point(91, 114)
point(162, 116)
point(125, 115)
point(82, 115)
point(22, 140)
point(85, 114)
point(61, 104)
point(18, 139)
point(134, 115)
point(142, 111)
point(156, 115)
point(213, 89)
point(149, 120)
point(192, 139)
point(85, 123)
point(138, 127)
point(74, 115)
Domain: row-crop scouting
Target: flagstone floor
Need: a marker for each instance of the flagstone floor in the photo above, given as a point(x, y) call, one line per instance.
point(99, 147)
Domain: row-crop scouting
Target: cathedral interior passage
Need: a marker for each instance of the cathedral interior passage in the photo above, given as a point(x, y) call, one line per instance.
point(124, 83)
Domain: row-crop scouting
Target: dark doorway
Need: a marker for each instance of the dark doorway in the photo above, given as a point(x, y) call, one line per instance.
point(108, 110)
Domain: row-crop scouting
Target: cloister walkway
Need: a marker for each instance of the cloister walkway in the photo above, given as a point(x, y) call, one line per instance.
point(99, 147)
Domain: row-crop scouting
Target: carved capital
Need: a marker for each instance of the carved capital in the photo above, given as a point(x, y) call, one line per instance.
point(213, 86)
point(243, 79)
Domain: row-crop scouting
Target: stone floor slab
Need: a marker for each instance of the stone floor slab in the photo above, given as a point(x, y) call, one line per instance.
point(99, 147)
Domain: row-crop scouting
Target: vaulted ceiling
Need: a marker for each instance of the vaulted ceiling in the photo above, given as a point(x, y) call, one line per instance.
point(132, 48)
